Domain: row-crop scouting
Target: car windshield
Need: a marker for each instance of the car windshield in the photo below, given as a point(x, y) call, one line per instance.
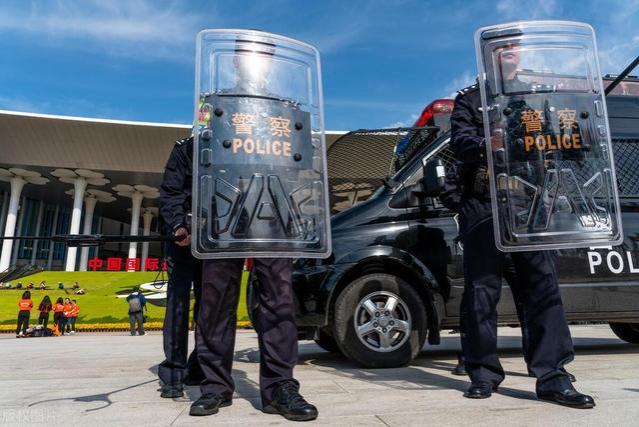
point(436, 147)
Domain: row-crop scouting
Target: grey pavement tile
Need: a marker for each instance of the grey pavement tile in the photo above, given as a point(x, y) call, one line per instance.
point(110, 379)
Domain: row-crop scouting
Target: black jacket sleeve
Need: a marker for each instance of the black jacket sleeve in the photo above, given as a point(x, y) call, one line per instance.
point(452, 193)
point(467, 139)
point(173, 192)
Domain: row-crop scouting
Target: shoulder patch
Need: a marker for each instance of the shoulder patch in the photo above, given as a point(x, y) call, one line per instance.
point(184, 141)
point(468, 89)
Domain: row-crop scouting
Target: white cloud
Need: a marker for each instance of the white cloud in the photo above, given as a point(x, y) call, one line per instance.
point(615, 23)
point(617, 35)
point(404, 123)
point(366, 104)
point(139, 28)
point(466, 78)
point(533, 9)
point(64, 106)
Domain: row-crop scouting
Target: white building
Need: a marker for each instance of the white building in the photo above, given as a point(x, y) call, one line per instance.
point(73, 175)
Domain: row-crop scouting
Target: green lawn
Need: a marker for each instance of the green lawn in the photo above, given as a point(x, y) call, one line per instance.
point(100, 304)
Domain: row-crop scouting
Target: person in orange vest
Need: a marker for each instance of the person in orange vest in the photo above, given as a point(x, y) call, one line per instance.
point(58, 315)
point(25, 305)
point(44, 308)
point(73, 316)
point(67, 314)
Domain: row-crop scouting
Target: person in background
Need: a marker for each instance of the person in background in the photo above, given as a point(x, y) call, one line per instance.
point(44, 308)
point(73, 316)
point(58, 315)
point(67, 314)
point(43, 285)
point(25, 305)
point(137, 305)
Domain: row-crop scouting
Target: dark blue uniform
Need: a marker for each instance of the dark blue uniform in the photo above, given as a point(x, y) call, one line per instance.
point(183, 268)
point(217, 288)
point(274, 322)
point(549, 344)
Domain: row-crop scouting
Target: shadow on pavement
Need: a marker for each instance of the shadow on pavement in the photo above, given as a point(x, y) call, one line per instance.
point(406, 378)
point(245, 388)
point(411, 378)
point(100, 397)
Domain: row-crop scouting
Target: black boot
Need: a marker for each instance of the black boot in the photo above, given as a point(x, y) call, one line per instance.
point(460, 369)
point(171, 391)
point(209, 404)
point(568, 397)
point(289, 403)
point(481, 390)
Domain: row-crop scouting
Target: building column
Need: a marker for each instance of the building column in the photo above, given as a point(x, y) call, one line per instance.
point(5, 209)
point(34, 246)
point(96, 252)
point(89, 208)
point(79, 186)
point(148, 218)
point(54, 227)
point(22, 210)
point(17, 184)
point(136, 204)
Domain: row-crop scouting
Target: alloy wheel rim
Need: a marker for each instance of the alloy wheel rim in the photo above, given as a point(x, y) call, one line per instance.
point(382, 321)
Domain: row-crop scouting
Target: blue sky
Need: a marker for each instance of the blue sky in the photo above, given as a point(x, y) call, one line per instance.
point(382, 60)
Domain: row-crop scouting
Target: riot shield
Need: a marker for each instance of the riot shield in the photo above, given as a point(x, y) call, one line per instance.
point(259, 159)
point(552, 175)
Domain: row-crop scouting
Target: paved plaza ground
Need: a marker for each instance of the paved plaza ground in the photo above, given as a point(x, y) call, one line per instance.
point(110, 379)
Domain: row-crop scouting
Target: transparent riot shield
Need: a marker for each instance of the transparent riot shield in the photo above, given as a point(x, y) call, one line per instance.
point(552, 175)
point(259, 158)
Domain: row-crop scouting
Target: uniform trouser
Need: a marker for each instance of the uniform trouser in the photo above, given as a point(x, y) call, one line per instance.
point(139, 319)
point(549, 342)
point(43, 319)
point(274, 323)
point(71, 324)
point(510, 274)
point(184, 269)
point(23, 321)
point(62, 323)
point(57, 321)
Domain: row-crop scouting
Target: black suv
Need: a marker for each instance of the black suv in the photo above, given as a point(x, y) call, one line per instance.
point(395, 276)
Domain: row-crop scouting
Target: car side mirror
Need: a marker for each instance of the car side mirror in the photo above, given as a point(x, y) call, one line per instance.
point(432, 183)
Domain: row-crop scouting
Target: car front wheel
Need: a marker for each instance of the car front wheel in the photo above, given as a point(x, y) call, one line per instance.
point(629, 332)
point(380, 321)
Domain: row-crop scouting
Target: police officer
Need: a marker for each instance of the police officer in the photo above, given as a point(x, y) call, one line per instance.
point(451, 197)
point(183, 270)
point(549, 341)
point(274, 319)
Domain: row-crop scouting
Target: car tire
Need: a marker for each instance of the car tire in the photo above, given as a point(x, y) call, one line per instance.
point(327, 342)
point(628, 332)
point(380, 321)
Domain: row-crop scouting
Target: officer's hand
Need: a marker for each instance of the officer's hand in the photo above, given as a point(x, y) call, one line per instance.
point(496, 140)
point(183, 232)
